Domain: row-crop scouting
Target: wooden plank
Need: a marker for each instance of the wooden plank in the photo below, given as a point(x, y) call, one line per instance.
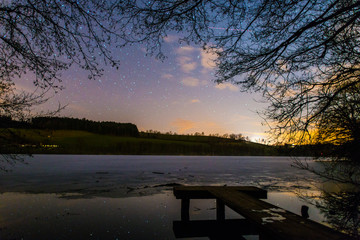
point(233, 228)
point(202, 192)
point(274, 221)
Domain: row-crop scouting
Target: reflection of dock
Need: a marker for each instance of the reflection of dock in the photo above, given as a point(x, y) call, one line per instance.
point(261, 218)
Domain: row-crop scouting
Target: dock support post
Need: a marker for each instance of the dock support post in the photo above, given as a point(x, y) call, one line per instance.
point(265, 237)
point(220, 210)
point(185, 209)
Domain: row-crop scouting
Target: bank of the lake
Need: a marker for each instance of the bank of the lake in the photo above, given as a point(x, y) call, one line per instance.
point(40, 141)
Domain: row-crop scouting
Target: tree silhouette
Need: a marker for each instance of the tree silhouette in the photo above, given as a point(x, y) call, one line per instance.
point(338, 126)
point(340, 123)
point(290, 51)
point(43, 38)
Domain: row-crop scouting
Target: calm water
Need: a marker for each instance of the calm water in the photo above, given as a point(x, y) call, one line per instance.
point(130, 197)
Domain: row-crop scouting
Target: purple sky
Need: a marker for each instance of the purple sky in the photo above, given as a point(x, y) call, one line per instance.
point(176, 95)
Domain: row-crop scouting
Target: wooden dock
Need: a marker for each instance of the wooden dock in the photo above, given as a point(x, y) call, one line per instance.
point(261, 218)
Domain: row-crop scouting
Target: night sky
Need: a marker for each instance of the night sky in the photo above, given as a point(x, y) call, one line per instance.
point(177, 94)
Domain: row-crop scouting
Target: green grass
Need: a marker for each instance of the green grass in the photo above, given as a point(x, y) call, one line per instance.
point(81, 142)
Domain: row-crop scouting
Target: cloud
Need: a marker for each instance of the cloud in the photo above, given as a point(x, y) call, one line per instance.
point(188, 67)
point(183, 125)
point(208, 59)
point(186, 64)
point(239, 117)
point(170, 38)
point(186, 126)
point(190, 81)
point(195, 101)
point(144, 50)
point(193, 82)
point(229, 86)
point(167, 76)
point(191, 57)
point(186, 50)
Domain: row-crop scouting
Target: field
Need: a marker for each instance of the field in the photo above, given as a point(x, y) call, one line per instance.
point(82, 142)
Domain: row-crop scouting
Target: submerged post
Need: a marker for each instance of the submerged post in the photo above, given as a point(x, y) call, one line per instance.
point(220, 210)
point(185, 208)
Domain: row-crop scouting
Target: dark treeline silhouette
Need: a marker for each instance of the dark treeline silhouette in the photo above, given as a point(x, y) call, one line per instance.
point(8, 122)
point(188, 137)
point(64, 123)
point(112, 128)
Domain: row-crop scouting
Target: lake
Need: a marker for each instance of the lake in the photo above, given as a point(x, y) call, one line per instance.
point(130, 197)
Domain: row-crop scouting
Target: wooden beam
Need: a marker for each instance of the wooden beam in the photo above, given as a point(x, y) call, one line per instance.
point(202, 192)
point(274, 221)
point(185, 193)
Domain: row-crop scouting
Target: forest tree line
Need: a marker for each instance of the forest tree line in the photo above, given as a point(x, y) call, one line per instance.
point(65, 123)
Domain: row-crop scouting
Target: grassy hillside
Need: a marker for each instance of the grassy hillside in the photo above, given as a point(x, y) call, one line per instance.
point(82, 142)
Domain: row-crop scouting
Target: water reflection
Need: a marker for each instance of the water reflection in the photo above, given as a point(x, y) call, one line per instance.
point(7, 161)
point(342, 211)
point(64, 216)
point(46, 216)
point(130, 197)
point(213, 229)
point(339, 204)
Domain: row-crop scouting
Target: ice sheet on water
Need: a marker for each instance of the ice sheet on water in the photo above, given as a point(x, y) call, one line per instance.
point(101, 174)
